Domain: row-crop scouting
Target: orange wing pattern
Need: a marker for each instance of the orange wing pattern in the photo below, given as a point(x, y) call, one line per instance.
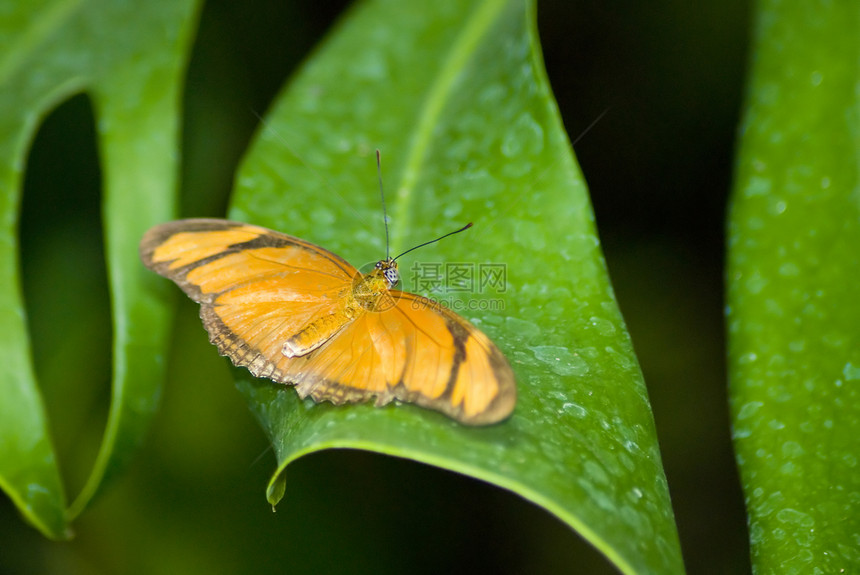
point(259, 288)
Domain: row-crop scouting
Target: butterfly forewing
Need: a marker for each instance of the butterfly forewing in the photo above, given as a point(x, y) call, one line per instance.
point(259, 288)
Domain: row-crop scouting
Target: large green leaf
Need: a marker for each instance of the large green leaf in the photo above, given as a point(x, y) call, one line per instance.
point(128, 58)
point(455, 96)
point(794, 304)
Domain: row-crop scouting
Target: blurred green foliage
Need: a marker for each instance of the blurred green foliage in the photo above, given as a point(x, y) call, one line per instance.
point(51, 52)
point(658, 168)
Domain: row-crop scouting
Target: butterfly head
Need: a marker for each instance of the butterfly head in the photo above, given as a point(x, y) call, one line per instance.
point(371, 290)
point(388, 269)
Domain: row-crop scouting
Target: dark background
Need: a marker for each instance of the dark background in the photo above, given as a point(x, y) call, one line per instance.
point(668, 76)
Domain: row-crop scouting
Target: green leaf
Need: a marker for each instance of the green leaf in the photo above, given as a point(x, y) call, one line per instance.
point(794, 306)
point(128, 58)
point(455, 95)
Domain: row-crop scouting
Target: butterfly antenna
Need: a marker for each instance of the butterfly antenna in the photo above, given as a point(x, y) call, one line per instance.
point(591, 125)
point(384, 211)
point(463, 229)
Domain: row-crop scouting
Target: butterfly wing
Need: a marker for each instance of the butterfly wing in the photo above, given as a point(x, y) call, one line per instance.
point(417, 351)
point(474, 384)
point(256, 287)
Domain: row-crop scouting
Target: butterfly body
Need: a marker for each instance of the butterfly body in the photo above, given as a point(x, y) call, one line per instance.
point(297, 314)
point(368, 293)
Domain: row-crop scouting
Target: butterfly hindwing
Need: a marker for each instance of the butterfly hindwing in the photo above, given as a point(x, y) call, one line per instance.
point(451, 365)
point(419, 352)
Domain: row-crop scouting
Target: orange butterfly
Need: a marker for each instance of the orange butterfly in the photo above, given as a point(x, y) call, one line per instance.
point(295, 313)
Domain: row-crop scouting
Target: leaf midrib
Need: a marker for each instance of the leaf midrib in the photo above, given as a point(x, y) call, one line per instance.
point(440, 90)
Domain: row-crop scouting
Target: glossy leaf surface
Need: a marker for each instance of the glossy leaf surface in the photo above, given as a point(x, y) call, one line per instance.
point(455, 96)
point(794, 310)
